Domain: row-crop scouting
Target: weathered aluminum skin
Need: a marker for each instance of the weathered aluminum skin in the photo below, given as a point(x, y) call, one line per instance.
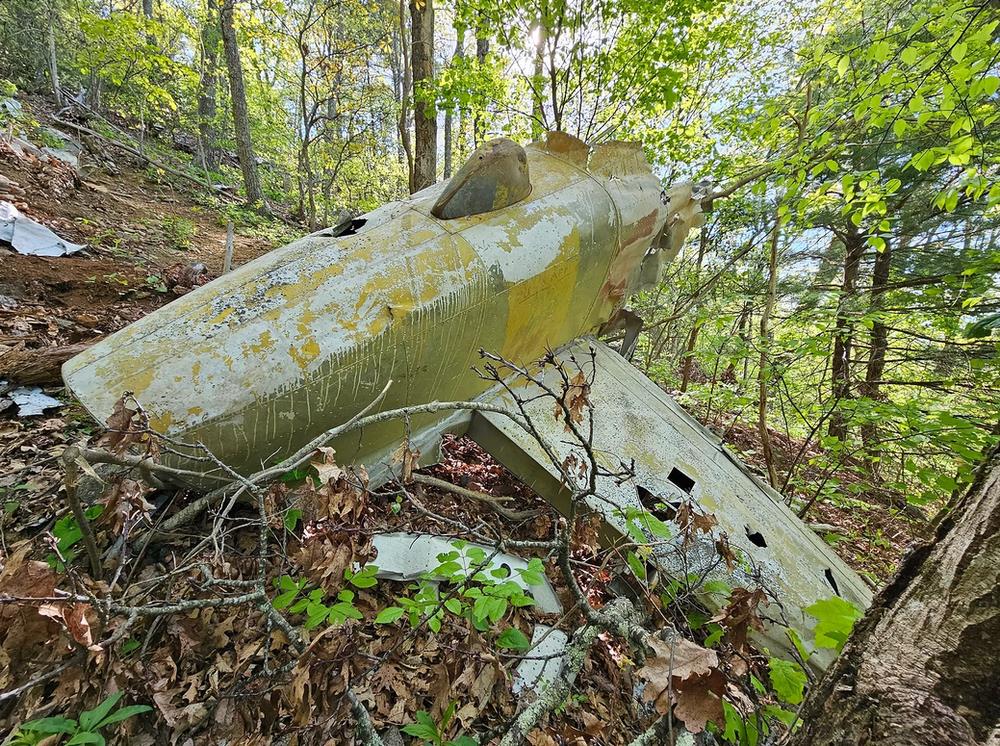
point(259, 361)
point(637, 423)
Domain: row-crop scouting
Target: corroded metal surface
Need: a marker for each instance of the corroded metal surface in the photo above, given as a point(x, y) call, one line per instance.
point(263, 359)
point(675, 458)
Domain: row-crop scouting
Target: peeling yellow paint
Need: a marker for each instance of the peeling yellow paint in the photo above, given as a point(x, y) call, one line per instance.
point(305, 354)
point(161, 423)
point(264, 344)
point(222, 316)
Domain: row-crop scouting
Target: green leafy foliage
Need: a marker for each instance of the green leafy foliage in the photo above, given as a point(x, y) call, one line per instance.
point(68, 534)
point(835, 618)
point(296, 597)
point(787, 679)
point(82, 731)
point(431, 732)
point(482, 595)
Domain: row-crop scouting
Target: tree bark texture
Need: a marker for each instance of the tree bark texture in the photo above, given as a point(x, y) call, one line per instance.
point(424, 112)
point(449, 144)
point(37, 366)
point(923, 667)
point(478, 122)
point(241, 119)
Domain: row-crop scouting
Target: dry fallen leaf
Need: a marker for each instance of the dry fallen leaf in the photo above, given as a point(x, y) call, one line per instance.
point(326, 465)
point(699, 700)
point(575, 397)
point(685, 676)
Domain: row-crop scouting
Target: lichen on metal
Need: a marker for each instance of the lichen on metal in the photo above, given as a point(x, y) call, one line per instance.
point(261, 360)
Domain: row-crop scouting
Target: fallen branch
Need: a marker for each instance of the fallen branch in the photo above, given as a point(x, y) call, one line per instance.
point(490, 500)
point(72, 469)
point(620, 613)
point(134, 151)
point(363, 722)
point(37, 366)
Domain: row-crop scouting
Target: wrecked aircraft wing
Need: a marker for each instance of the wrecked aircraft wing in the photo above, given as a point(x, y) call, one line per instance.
point(265, 358)
point(675, 458)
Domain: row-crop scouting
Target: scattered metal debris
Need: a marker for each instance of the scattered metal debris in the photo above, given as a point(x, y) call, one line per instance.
point(675, 459)
point(544, 660)
point(29, 237)
point(403, 556)
point(32, 402)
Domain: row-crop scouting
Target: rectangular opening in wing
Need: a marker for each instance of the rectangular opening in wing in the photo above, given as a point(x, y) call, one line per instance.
point(680, 480)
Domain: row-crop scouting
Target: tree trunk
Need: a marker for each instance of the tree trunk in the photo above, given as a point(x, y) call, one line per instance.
point(424, 112)
point(478, 125)
point(449, 115)
point(923, 667)
point(406, 86)
point(692, 341)
point(241, 119)
point(538, 81)
point(765, 343)
point(878, 341)
point(840, 362)
point(41, 365)
point(54, 61)
point(208, 147)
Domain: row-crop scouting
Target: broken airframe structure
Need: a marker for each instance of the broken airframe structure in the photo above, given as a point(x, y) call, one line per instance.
point(522, 251)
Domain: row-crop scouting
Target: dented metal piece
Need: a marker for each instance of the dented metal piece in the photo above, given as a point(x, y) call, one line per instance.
point(675, 459)
point(263, 359)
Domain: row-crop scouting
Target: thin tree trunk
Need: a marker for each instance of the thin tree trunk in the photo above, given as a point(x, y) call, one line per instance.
point(741, 334)
point(54, 61)
point(478, 125)
point(424, 111)
point(878, 341)
point(538, 82)
point(404, 98)
point(241, 118)
point(923, 667)
point(449, 115)
point(765, 344)
point(692, 341)
point(840, 362)
point(208, 147)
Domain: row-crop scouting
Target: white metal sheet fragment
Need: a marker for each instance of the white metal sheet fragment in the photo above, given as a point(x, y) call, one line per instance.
point(30, 237)
point(31, 402)
point(543, 662)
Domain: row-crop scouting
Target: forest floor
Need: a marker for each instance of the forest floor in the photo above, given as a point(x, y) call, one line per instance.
point(144, 235)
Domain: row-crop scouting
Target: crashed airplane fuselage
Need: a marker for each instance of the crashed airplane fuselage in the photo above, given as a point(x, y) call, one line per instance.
point(523, 250)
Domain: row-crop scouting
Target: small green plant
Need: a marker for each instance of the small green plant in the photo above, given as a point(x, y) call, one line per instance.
point(49, 140)
point(298, 598)
point(484, 597)
point(178, 232)
point(68, 534)
point(85, 730)
point(155, 282)
point(434, 733)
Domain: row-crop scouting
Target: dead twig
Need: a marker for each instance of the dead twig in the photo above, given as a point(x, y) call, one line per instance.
point(490, 500)
point(71, 468)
